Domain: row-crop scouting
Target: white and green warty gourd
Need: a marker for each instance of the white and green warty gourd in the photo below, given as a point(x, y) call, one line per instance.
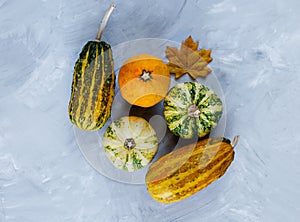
point(192, 109)
point(130, 143)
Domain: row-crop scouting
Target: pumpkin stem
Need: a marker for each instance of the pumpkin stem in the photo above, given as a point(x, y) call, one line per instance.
point(235, 141)
point(104, 21)
point(194, 111)
point(129, 143)
point(146, 75)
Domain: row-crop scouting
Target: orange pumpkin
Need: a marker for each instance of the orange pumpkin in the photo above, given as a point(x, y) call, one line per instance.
point(144, 80)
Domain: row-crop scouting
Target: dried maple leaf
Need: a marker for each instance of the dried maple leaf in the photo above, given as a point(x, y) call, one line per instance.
point(188, 59)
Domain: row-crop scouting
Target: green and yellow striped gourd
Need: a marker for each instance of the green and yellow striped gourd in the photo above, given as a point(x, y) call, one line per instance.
point(130, 143)
point(192, 109)
point(93, 83)
point(183, 172)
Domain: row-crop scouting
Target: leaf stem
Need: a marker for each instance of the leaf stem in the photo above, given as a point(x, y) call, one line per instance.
point(104, 21)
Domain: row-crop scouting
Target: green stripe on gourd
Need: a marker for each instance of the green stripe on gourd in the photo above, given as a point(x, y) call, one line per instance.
point(92, 87)
point(93, 83)
point(192, 109)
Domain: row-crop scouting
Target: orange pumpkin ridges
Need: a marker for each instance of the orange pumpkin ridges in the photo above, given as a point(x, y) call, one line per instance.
point(144, 80)
point(183, 172)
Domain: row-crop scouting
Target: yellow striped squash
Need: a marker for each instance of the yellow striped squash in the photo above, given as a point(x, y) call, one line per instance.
point(185, 171)
point(92, 87)
point(93, 83)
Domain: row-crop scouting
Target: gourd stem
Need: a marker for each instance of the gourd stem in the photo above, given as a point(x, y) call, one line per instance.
point(104, 21)
point(129, 143)
point(235, 141)
point(194, 111)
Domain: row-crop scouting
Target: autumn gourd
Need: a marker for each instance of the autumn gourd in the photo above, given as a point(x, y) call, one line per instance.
point(130, 143)
point(192, 109)
point(93, 83)
point(183, 172)
point(144, 80)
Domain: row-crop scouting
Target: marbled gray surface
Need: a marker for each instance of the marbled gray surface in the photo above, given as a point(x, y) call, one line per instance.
point(43, 175)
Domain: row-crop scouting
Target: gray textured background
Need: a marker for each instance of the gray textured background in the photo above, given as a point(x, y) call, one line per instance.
point(43, 175)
